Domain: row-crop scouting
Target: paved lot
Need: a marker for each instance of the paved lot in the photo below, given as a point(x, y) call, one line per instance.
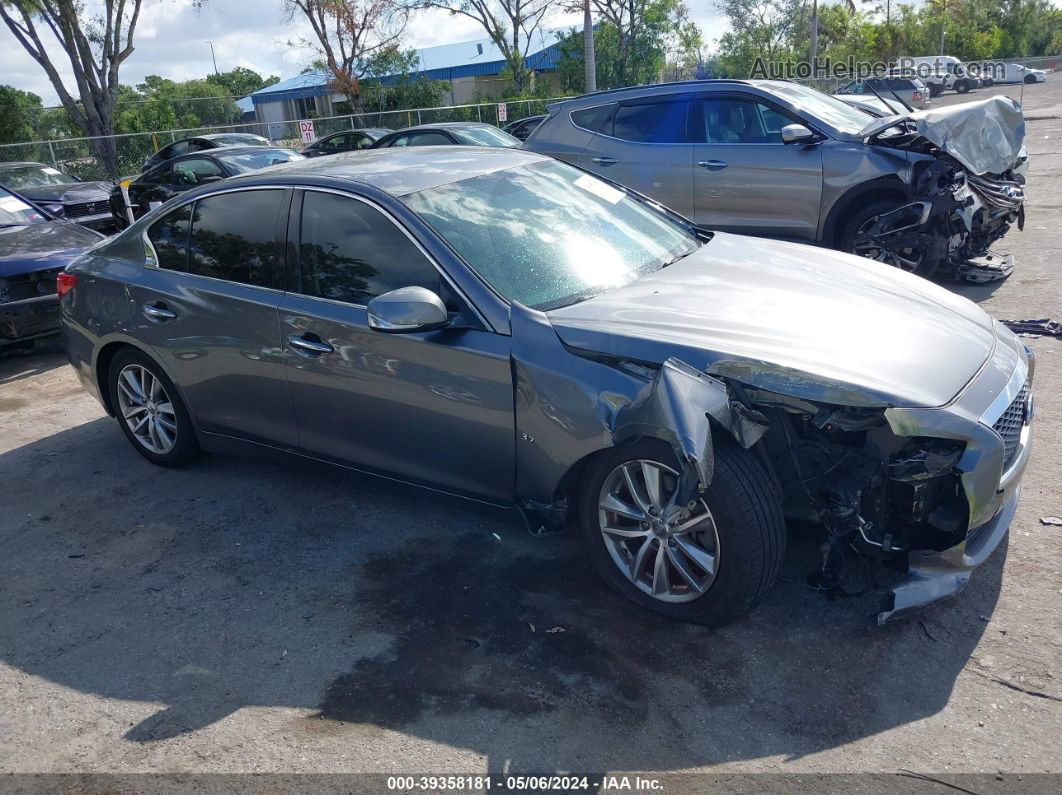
point(238, 616)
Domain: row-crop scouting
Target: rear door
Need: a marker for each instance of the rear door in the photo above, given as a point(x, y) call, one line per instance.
point(646, 146)
point(429, 407)
point(206, 304)
point(747, 180)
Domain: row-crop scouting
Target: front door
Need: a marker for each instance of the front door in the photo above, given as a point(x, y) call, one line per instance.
point(434, 407)
point(206, 304)
point(745, 179)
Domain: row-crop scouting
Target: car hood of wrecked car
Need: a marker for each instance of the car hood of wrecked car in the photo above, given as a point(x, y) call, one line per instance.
point(985, 136)
point(794, 319)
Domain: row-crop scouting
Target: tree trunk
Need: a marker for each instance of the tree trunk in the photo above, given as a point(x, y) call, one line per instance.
point(589, 57)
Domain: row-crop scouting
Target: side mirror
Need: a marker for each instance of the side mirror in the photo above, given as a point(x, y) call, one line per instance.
point(797, 134)
point(406, 310)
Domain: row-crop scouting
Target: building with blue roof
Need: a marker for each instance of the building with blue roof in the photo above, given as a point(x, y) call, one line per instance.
point(472, 69)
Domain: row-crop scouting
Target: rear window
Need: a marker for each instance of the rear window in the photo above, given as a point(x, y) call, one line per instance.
point(597, 119)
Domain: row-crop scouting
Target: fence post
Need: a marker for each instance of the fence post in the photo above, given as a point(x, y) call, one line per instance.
point(418, 116)
point(479, 113)
point(352, 121)
point(51, 150)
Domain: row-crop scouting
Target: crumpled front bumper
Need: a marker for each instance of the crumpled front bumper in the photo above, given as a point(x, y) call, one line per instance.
point(991, 490)
point(28, 318)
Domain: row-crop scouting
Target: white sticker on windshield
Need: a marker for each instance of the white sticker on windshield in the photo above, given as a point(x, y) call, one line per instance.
point(52, 171)
point(600, 189)
point(12, 205)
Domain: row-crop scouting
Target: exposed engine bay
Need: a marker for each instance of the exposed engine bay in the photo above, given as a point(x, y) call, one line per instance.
point(963, 197)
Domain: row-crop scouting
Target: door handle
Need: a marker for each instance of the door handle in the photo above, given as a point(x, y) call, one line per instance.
point(605, 161)
point(712, 165)
point(308, 347)
point(158, 311)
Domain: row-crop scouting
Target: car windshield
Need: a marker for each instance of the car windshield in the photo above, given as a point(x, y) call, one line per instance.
point(240, 140)
point(547, 235)
point(252, 161)
point(15, 212)
point(485, 136)
point(831, 110)
point(33, 177)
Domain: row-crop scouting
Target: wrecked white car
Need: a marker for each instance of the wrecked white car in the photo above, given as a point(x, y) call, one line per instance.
point(493, 323)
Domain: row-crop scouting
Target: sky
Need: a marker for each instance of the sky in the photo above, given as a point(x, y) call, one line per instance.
point(171, 41)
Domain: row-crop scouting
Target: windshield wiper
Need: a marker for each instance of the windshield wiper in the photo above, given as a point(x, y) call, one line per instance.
point(676, 258)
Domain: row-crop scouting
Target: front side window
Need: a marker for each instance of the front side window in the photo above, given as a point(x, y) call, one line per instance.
point(196, 171)
point(351, 252)
point(169, 239)
point(547, 235)
point(652, 122)
point(233, 237)
point(739, 121)
point(402, 140)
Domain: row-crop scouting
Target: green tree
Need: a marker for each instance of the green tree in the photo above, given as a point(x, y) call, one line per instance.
point(20, 115)
point(241, 81)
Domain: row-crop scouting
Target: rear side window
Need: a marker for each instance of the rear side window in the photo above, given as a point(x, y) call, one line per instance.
point(351, 252)
point(169, 238)
point(597, 119)
point(900, 84)
point(429, 139)
point(234, 237)
point(195, 171)
point(652, 123)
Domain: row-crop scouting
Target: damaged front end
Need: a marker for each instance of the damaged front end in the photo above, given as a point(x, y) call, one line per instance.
point(962, 198)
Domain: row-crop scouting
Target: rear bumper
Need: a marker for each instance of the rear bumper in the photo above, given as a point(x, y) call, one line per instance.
point(29, 318)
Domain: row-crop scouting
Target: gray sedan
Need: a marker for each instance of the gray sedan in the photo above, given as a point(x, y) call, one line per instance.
point(495, 324)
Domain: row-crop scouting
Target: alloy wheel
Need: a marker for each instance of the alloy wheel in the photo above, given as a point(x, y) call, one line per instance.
point(669, 551)
point(146, 409)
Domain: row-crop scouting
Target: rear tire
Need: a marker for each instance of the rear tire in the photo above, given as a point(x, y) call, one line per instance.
point(740, 535)
point(150, 411)
point(935, 89)
point(963, 86)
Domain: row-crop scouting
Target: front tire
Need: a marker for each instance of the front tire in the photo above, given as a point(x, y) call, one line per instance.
point(709, 562)
point(963, 86)
point(853, 238)
point(150, 411)
point(1029, 79)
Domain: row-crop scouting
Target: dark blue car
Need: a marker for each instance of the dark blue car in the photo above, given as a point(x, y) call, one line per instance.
point(34, 248)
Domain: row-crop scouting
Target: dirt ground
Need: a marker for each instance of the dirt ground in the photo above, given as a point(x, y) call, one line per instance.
point(240, 616)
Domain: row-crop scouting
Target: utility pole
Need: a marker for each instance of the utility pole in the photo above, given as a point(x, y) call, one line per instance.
point(215, 60)
point(589, 57)
point(814, 34)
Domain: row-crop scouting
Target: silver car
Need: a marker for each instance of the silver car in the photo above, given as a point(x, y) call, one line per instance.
point(780, 159)
point(492, 323)
point(907, 90)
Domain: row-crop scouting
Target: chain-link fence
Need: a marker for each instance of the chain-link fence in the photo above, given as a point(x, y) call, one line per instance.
point(115, 156)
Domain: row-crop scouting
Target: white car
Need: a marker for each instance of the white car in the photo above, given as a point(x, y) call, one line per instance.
point(1016, 73)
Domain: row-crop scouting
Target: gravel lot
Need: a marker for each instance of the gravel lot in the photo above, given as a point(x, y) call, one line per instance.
point(240, 616)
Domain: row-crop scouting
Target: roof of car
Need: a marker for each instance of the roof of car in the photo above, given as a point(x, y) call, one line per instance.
point(21, 164)
point(446, 125)
point(226, 151)
point(215, 136)
point(404, 170)
point(369, 130)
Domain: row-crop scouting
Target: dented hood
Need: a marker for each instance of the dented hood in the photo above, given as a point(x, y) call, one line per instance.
point(794, 319)
point(984, 136)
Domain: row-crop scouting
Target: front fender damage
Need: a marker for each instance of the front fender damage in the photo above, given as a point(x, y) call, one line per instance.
point(570, 405)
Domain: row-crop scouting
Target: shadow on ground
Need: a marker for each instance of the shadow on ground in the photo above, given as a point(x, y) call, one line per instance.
point(234, 583)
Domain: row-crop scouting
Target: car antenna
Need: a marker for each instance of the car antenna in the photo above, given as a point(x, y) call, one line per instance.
point(891, 90)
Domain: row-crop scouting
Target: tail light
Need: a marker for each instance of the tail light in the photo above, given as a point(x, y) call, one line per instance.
point(917, 96)
point(64, 283)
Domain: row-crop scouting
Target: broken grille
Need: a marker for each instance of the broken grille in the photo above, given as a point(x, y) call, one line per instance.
point(1009, 426)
